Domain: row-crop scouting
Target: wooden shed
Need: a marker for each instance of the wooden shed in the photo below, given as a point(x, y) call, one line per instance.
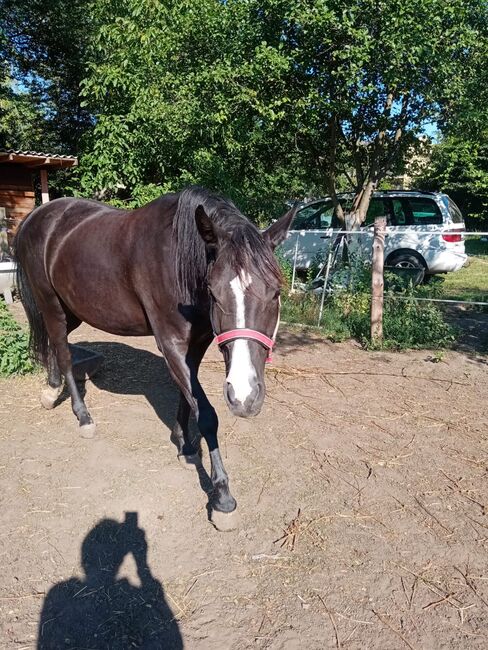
point(17, 172)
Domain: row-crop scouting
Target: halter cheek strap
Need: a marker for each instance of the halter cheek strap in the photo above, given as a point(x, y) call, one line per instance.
point(245, 333)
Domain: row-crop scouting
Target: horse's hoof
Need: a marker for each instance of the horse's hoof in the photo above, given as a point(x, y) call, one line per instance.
point(88, 430)
point(49, 396)
point(190, 462)
point(225, 521)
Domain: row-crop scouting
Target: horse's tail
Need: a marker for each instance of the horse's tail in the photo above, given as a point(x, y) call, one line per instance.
point(38, 338)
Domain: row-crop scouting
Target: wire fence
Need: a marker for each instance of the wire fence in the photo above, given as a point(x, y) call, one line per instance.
point(338, 237)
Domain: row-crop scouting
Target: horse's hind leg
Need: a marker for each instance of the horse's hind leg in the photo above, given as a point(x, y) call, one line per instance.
point(54, 388)
point(58, 324)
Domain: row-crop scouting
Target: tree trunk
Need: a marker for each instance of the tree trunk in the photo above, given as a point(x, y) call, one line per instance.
point(331, 175)
point(360, 205)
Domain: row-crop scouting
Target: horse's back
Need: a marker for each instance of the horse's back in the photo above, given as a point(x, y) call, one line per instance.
point(87, 252)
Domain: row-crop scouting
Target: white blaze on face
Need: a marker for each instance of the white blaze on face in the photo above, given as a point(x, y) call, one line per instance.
point(241, 372)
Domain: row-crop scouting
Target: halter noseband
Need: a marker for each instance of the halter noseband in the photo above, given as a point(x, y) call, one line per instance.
point(245, 333)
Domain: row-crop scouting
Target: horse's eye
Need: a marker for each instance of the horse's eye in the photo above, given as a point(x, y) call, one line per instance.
point(277, 294)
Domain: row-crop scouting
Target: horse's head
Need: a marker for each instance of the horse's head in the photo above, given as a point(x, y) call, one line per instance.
point(244, 285)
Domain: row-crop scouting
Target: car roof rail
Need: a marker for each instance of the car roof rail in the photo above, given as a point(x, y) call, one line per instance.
point(411, 191)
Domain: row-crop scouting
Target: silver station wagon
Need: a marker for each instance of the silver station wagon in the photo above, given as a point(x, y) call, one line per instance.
point(424, 231)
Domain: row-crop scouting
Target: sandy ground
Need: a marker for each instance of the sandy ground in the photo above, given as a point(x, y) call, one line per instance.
point(362, 489)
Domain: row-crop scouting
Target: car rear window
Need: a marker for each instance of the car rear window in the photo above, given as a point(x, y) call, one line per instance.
point(454, 212)
point(424, 211)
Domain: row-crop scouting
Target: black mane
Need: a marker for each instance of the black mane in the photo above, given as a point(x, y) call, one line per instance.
point(245, 249)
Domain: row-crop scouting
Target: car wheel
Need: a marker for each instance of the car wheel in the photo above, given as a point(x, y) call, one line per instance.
point(406, 261)
point(407, 266)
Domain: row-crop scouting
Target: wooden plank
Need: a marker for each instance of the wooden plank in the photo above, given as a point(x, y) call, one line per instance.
point(22, 187)
point(16, 215)
point(15, 192)
point(8, 198)
point(15, 176)
point(17, 188)
point(19, 202)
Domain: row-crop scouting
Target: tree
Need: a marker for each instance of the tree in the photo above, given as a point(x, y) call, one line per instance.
point(365, 76)
point(43, 45)
point(459, 163)
point(169, 85)
point(20, 119)
point(262, 99)
point(460, 168)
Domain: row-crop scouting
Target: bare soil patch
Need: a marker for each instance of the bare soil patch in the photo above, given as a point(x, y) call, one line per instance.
point(362, 489)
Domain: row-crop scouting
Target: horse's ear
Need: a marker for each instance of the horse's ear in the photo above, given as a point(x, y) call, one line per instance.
point(276, 233)
point(209, 232)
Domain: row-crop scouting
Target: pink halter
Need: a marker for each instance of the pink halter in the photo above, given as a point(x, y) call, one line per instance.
point(245, 333)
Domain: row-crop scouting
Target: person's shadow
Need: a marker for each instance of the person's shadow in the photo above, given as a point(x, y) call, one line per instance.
point(102, 611)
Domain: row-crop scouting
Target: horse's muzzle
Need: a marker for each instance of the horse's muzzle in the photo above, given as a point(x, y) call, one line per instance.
point(252, 404)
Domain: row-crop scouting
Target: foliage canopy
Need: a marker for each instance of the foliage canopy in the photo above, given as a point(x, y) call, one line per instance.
point(260, 100)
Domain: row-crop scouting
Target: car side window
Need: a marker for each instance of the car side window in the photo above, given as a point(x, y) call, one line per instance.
point(424, 211)
point(377, 208)
point(325, 216)
point(314, 216)
point(304, 218)
point(399, 213)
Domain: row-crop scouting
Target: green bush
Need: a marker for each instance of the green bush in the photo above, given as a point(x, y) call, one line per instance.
point(14, 346)
point(406, 322)
point(286, 269)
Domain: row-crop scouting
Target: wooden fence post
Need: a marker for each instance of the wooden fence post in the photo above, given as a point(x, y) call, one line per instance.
point(44, 187)
point(377, 281)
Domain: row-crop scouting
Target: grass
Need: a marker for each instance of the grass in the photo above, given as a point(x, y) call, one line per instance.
point(470, 282)
point(476, 246)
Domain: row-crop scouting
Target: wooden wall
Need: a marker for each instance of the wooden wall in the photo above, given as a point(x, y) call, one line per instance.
point(16, 195)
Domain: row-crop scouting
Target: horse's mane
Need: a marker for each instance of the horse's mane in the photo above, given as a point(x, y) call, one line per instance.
point(244, 250)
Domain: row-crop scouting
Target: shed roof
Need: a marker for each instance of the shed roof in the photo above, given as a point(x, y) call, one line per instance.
point(35, 159)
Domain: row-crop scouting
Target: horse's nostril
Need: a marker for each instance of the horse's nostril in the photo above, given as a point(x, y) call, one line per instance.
point(231, 396)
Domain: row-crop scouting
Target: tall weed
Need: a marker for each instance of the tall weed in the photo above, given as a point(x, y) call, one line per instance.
point(406, 322)
point(14, 346)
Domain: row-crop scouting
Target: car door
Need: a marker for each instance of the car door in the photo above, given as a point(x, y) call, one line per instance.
point(310, 235)
point(362, 244)
point(424, 226)
point(398, 225)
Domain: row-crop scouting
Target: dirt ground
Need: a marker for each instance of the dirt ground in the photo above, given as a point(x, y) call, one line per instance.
point(362, 489)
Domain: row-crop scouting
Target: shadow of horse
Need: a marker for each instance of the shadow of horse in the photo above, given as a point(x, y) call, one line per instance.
point(102, 611)
point(123, 370)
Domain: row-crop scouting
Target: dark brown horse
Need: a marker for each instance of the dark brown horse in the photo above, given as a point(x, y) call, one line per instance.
point(184, 268)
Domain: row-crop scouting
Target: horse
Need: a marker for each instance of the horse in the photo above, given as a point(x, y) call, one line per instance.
point(186, 268)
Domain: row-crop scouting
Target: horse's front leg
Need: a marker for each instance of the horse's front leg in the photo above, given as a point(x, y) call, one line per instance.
point(184, 371)
point(189, 450)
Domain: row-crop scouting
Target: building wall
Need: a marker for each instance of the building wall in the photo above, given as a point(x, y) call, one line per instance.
point(16, 195)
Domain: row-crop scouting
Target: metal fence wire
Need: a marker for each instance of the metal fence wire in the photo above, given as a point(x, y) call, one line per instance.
point(339, 250)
